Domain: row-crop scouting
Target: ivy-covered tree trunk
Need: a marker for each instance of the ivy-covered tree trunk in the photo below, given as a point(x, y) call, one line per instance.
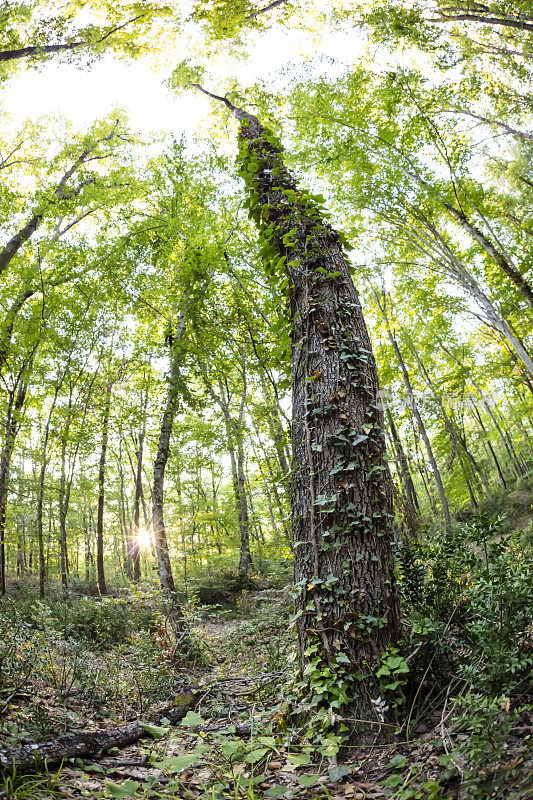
point(341, 495)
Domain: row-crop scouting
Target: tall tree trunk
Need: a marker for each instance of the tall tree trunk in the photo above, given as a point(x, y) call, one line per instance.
point(487, 441)
point(241, 506)
point(17, 396)
point(137, 508)
point(166, 578)
point(63, 501)
point(405, 474)
point(128, 562)
point(455, 435)
point(510, 452)
point(276, 430)
point(40, 493)
point(245, 558)
point(101, 493)
point(341, 492)
point(235, 439)
point(416, 413)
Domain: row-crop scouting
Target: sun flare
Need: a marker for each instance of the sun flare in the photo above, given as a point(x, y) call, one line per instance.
point(144, 538)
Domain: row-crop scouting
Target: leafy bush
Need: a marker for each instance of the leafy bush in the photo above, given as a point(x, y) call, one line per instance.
point(104, 621)
point(219, 588)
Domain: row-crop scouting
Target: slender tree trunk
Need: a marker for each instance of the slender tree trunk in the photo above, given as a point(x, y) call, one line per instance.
point(421, 427)
point(136, 508)
point(128, 563)
point(268, 495)
point(64, 495)
point(490, 448)
point(456, 437)
point(235, 439)
point(494, 252)
point(40, 494)
point(101, 493)
point(15, 402)
point(282, 514)
point(17, 396)
point(276, 430)
point(166, 577)
point(510, 452)
point(245, 558)
point(405, 474)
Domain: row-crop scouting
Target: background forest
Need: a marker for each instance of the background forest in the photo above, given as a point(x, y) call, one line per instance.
point(170, 322)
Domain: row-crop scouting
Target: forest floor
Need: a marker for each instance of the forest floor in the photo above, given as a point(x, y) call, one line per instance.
point(235, 742)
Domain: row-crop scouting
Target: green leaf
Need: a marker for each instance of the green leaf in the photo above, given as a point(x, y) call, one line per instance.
point(299, 759)
point(307, 780)
point(177, 763)
point(398, 761)
point(337, 773)
point(154, 730)
point(192, 720)
point(277, 791)
point(342, 658)
point(269, 741)
point(123, 790)
point(256, 755)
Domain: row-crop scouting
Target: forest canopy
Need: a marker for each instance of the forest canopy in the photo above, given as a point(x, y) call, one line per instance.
point(266, 376)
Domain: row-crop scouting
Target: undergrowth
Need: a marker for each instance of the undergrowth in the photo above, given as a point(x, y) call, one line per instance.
point(459, 683)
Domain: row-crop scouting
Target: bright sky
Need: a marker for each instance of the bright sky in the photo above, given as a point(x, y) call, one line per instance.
point(82, 95)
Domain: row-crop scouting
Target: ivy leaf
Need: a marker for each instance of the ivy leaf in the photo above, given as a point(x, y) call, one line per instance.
point(342, 658)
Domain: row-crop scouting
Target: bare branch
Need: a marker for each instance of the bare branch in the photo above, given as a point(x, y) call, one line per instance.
point(265, 9)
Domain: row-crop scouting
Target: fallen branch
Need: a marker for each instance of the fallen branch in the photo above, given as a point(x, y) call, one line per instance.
point(34, 757)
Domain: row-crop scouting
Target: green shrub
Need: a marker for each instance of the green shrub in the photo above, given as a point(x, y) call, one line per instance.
point(99, 621)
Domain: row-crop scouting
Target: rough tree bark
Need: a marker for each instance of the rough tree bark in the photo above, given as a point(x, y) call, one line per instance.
point(341, 494)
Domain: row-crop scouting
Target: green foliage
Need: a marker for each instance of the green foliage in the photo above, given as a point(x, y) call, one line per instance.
point(30, 787)
point(488, 722)
point(101, 622)
point(477, 587)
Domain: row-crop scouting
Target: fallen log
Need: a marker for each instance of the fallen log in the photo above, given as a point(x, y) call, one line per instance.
point(26, 758)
